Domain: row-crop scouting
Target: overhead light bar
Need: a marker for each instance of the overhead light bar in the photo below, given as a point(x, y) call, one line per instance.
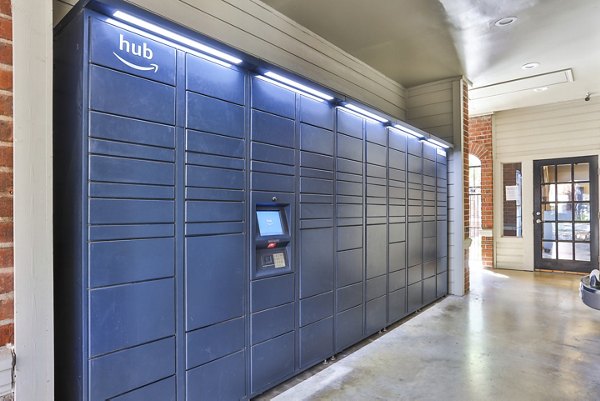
point(298, 85)
point(438, 143)
point(282, 85)
point(366, 113)
point(176, 37)
point(347, 110)
point(409, 131)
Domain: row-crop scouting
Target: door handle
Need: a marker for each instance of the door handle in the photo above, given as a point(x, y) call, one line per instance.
point(538, 221)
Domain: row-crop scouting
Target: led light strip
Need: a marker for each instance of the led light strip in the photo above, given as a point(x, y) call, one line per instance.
point(298, 86)
point(347, 110)
point(272, 81)
point(409, 131)
point(438, 143)
point(176, 37)
point(365, 113)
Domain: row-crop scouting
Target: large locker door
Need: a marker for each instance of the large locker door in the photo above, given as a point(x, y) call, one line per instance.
point(272, 178)
point(316, 232)
point(415, 224)
point(131, 198)
point(215, 239)
point(442, 223)
point(397, 225)
point(376, 236)
point(350, 278)
point(429, 223)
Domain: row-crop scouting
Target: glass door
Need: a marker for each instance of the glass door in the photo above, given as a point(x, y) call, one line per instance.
point(566, 214)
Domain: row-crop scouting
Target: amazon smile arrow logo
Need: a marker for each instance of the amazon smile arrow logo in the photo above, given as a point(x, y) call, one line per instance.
point(137, 67)
point(143, 51)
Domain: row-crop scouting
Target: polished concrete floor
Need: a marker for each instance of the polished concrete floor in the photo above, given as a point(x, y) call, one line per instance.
point(516, 336)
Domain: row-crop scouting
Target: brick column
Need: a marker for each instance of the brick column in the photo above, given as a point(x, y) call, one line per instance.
point(480, 140)
point(466, 146)
point(6, 176)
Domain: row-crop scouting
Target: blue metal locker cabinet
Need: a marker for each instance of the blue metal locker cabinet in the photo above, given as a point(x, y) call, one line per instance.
point(415, 223)
point(376, 234)
point(217, 233)
point(316, 231)
point(429, 223)
point(350, 272)
point(442, 223)
point(396, 225)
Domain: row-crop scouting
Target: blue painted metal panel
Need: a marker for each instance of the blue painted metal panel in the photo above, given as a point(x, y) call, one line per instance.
point(117, 190)
point(415, 243)
point(315, 139)
point(229, 123)
point(349, 297)
point(316, 342)
point(348, 328)
point(272, 322)
point(350, 166)
point(415, 296)
point(349, 124)
point(121, 211)
point(213, 342)
point(376, 154)
point(396, 305)
point(397, 280)
point(273, 99)
point(316, 261)
point(126, 51)
point(316, 308)
point(120, 149)
point(221, 380)
point(204, 211)
point(164, 390)
point(376, 250)
point(429, 268)
point(376, 132)
point(350, 267)
point(127, 370)
point(320, 114)
point(197, 176)
point(272, 291)
point(116, 169)
point(376, 287)
point(118, 262)
point(114, 232)
point(130, 315)
point(272, 361)
point(118, 93)
point(214, 80)
point(442, 284)
point(204, 142)
point(273, 154)
point(350, 148)
point(106, 126)
point(442, 265)
point(397, 254)
point(271, 129)
point(271, 182)
point(376, 315)
point(415, 274)
point(429, 290)
point(215, 273)
point(349, 238)
point(316, 211)
point(316, 161)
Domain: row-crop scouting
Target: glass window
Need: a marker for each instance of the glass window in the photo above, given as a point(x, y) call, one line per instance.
point(512, 184)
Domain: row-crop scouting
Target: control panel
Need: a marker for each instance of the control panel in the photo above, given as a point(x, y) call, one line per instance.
point(272, 241)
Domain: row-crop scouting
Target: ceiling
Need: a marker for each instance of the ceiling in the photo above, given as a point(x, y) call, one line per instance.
point(419, 41)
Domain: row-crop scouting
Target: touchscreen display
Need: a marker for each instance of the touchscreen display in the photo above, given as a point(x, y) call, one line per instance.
point(269, 222)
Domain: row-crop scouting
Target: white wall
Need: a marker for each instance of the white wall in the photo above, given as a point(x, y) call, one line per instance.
point(567, 129)
point(437, 108)
point(34, 334)
point(259, 30)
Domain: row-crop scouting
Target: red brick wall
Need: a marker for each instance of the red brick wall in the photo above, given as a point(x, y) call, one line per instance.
point(466, 145)
point(480, 145)
point(6, 176)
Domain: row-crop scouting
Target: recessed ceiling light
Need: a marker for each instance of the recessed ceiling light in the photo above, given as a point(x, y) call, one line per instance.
point(542, 89)
point(506, 21)
point(530, 66)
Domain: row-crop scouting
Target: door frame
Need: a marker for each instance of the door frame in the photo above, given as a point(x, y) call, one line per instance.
point(572, 266)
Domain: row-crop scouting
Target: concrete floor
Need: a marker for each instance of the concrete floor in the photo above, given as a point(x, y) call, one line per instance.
point(516, 336)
